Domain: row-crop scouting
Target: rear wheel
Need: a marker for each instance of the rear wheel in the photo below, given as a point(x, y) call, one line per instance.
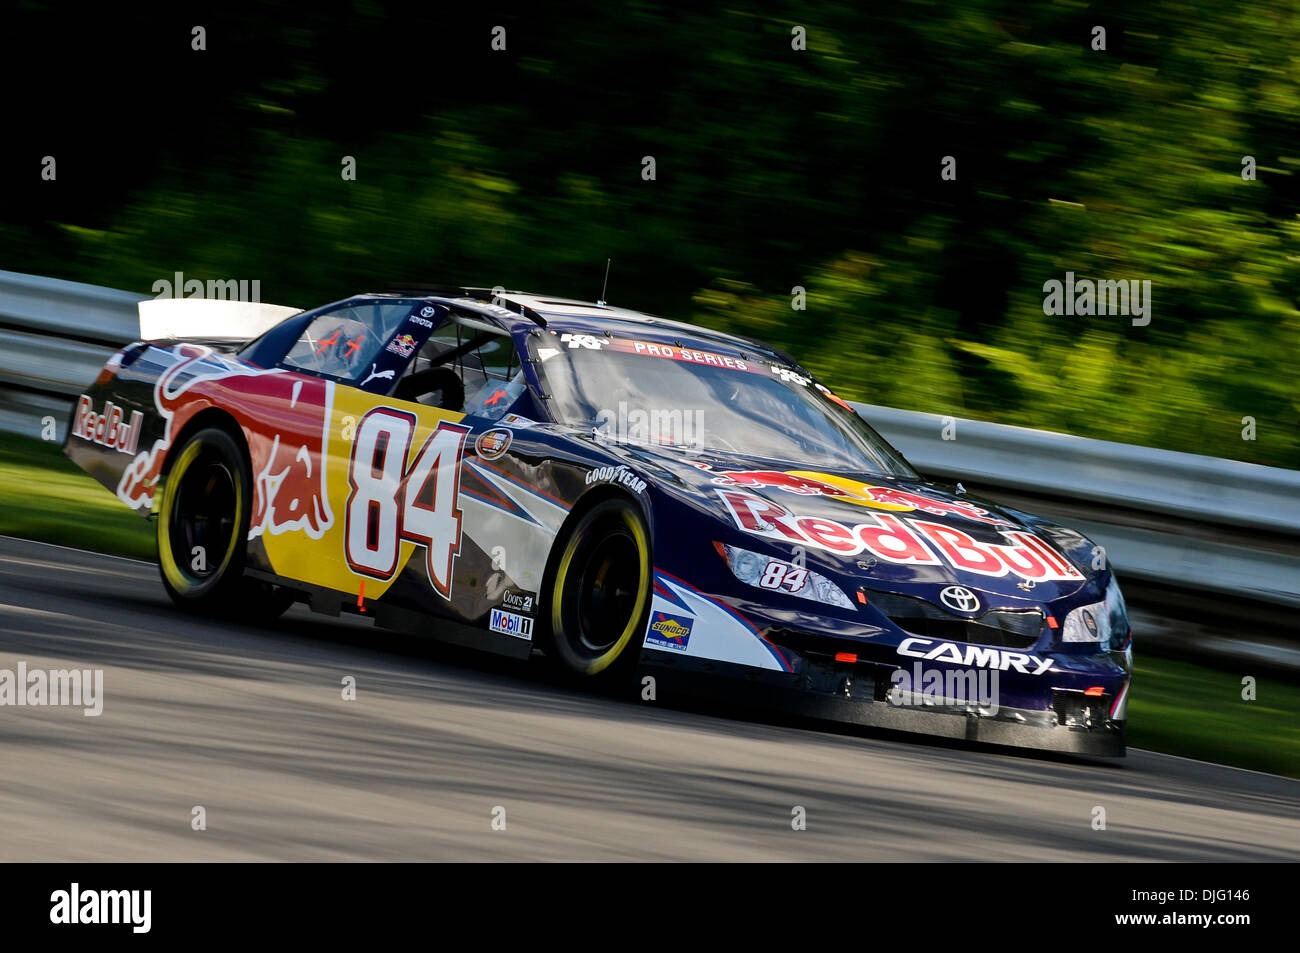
point(600, 593)
point(203, 528)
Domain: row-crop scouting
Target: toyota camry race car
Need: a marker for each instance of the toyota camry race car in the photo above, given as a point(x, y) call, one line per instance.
point(512, 472)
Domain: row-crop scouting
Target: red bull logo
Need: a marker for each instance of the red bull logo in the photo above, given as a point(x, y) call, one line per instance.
point(108, 429)
point(138, 481)
point(790, 482)
point(285, 417)
point(904, 500)
point(403, 345)
point(913, 541)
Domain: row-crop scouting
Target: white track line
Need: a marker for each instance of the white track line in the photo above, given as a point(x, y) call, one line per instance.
point(73, 549)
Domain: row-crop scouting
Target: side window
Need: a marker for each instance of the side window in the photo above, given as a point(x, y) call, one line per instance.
point(466, 365)
point(496, 397)
point(348, 342)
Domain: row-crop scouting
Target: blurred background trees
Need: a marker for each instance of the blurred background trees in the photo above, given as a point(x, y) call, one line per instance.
point(774, 168)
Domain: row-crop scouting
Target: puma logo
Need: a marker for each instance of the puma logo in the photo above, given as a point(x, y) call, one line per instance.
point(380, 376)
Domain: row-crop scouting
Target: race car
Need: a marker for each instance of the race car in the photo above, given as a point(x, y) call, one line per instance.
point(624, 496)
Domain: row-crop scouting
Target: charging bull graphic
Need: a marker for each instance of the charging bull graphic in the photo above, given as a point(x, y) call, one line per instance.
point(811, 483)
point(289, 490)
point(285, 417)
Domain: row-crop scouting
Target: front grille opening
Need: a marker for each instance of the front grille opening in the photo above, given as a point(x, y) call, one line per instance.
point(1004, 628)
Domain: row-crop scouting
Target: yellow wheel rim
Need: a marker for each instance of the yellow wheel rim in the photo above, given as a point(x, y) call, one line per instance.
point(606, 658)
point(176, 576)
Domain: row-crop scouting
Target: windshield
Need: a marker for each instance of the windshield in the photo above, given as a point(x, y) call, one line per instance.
point(643, 392)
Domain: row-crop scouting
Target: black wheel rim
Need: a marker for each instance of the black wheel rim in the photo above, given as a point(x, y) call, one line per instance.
point(608, 585)
point(203, 515)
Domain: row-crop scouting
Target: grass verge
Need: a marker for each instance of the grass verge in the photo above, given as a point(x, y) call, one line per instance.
point(43, 496)
point(1195, 711)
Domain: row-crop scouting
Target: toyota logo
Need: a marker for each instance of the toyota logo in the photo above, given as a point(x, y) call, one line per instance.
point(959, 599)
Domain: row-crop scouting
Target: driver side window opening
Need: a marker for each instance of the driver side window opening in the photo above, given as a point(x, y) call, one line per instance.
point(466, 365)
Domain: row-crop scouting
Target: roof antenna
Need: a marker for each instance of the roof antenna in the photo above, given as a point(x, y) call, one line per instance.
point(600, 303)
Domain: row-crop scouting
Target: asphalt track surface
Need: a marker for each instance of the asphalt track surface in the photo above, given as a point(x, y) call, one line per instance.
point(251, 725)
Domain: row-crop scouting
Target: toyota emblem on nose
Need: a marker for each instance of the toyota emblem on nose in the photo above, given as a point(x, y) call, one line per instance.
point(959, 599)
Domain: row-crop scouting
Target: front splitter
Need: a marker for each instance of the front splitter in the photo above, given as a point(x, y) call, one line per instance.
point(779, 691)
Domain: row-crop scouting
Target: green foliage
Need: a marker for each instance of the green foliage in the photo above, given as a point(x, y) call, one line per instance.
point(779, 168)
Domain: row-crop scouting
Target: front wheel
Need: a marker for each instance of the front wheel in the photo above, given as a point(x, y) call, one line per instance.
point(203, 528)
point(600, 594)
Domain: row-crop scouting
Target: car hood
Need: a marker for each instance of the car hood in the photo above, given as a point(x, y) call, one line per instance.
point(877, 532)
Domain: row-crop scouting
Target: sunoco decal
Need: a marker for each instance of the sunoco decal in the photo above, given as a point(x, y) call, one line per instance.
point(670, 631)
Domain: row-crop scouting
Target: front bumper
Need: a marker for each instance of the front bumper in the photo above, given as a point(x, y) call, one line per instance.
point(863, 694)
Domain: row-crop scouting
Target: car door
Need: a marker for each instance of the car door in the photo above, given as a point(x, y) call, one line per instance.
point(372, 477)
point(428, 523)
point(394, 532)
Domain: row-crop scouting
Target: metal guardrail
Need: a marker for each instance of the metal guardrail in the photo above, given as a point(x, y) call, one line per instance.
point(69, 309)
point(1177, 519)
point(1117, 475)
point(55, 336)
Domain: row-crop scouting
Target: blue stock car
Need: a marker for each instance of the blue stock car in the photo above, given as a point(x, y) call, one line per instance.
point(615, 492)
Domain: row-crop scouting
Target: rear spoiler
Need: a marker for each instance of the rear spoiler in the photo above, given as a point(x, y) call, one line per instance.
point(208, 319)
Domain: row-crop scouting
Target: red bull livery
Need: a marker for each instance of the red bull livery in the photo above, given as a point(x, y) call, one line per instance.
point(612, 493)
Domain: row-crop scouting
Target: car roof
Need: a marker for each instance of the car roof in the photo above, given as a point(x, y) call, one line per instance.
point(514, 310)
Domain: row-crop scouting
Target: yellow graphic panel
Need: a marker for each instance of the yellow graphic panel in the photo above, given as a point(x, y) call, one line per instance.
point(361, 539)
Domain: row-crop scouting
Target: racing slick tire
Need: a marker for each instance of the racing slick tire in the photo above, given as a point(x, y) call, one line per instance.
point(600, 592)
point(203, 532)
